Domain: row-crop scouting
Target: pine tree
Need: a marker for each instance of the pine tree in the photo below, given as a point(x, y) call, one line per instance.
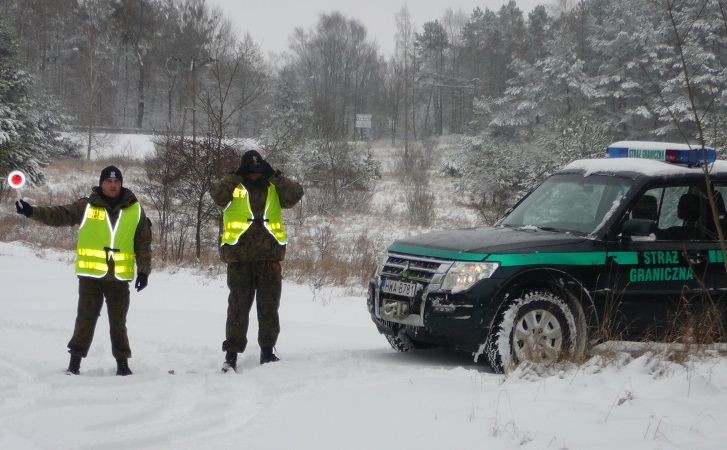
point(28, 136)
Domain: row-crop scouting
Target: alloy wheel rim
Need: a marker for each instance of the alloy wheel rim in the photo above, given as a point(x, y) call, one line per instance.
point(538, 337)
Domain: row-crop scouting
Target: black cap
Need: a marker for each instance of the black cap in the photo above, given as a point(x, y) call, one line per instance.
point(252, 162)
point(110, 172)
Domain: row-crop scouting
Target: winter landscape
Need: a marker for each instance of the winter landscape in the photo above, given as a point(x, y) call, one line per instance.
point(339, 384)
point(445, 125)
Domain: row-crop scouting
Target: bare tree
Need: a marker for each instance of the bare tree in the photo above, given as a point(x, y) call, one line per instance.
point(161, 186)
point(395, 93)
point(136, 20)
point(92, 63)
point(335, 62)
point(404, 57)
point(237, 78)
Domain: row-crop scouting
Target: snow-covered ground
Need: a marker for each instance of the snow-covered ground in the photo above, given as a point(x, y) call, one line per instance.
point(115, 145)
point(338, 386)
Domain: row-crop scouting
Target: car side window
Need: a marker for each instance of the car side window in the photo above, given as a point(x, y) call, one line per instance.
point(669, 214)
point(680, 213)
point(720, 192)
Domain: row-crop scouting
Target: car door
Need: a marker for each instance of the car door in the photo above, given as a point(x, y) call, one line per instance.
point(656, 276)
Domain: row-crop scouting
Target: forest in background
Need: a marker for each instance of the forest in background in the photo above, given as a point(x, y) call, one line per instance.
point(178, 64)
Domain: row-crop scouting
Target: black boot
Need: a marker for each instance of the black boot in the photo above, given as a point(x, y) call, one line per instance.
point(122, 367)
point(267, 355)
point(74, 366)
point(230, 362)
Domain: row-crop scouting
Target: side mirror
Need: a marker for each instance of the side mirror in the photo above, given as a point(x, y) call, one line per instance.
point(639, 230)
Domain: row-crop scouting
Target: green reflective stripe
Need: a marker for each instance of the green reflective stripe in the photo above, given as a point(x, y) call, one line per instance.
point(551, 258)
point(716, 256)
point(397, 247)
point(625, 258)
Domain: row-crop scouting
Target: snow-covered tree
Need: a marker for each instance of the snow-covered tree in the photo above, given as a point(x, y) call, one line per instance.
point(617, 41)
point(289, 117)
point(496, 173)
point(28, 136)
point(337, 175)
point(578, 136)
point(553, 87)
point(686, 68)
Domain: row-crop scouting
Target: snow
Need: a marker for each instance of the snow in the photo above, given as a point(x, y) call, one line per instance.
point(653, 145)
point(338, 386)
point(115, 146)
point(132, 146)
point(647, 167)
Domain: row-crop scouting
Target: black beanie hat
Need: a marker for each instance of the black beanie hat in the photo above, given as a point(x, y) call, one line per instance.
point(110, 172)
point(252, 162)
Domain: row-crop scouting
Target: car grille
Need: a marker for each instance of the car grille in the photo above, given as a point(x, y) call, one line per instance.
point(413, 268)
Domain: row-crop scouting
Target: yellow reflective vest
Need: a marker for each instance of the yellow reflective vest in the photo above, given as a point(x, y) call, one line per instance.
point(237, 216)
point(99, 242)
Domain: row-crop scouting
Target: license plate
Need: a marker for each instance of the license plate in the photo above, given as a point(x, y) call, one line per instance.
point(399, 288)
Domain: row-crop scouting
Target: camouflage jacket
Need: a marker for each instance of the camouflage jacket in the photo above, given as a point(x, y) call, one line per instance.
point(256, 244)
point(72, 214)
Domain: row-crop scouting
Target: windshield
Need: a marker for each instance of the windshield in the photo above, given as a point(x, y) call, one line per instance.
point(570, 203)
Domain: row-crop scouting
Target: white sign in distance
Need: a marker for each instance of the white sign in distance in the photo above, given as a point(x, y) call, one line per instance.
point(363, 120)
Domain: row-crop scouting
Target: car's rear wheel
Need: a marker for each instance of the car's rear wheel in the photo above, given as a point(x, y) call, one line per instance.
point(537, 326)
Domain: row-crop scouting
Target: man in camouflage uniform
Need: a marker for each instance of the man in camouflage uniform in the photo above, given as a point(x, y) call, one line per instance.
point(103, 271)
point(253, 244)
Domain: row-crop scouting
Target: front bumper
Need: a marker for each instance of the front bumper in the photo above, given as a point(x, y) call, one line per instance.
point(455, 317)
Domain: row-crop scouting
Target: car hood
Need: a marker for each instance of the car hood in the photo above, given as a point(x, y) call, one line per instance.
point(474, 244)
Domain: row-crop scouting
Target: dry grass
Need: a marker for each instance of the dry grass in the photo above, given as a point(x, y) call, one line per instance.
point(317, 256)
point(17, 228)
point(695, 327)
point(322, 259)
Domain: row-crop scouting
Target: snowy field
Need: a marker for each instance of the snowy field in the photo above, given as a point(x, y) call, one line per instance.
point(338, 386)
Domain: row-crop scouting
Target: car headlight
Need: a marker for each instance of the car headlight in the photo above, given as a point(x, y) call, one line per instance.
point(462, 275)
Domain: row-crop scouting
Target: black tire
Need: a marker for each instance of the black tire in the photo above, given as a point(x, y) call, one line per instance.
point(538, 327)
point(401, 342)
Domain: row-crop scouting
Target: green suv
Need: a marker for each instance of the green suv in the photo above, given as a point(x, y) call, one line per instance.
point(614, 243)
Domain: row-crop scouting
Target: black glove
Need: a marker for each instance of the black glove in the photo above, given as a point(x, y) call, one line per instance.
point(142, 279)
point(24, 208)
point(268, 172)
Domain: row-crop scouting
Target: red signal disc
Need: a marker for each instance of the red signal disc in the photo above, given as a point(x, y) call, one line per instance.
point(16, 179)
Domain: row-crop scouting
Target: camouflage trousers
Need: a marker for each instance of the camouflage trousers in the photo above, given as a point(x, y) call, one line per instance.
point(258, 281)
point(91, 293)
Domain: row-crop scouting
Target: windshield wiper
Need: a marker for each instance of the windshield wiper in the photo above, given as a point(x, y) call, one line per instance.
point(558, 230)
point(550, 229)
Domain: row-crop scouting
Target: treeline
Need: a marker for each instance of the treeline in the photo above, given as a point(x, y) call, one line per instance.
point(527, 91)
point(607, 70)
point(157, 64)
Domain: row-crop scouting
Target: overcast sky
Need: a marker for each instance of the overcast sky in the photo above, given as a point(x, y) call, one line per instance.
point(271, 22)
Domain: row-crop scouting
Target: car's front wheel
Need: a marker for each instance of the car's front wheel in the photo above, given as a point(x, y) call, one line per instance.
point(400, 342)
point(537, 326)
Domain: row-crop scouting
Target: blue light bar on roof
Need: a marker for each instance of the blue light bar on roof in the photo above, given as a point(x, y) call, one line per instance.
point(662, 151)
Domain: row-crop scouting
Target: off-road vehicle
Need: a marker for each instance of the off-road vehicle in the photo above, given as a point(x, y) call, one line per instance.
point(619, 242)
